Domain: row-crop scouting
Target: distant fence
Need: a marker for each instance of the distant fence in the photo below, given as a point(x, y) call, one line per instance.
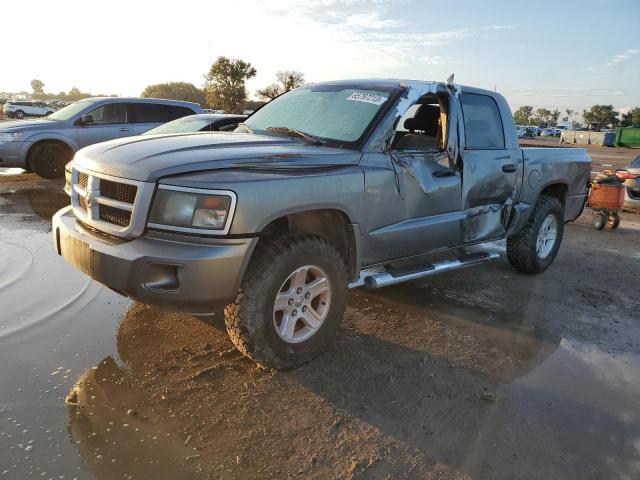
point(628, 137)
point(607, 139)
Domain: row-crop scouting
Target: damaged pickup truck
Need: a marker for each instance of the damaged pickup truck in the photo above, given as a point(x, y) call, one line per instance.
point(328, 187)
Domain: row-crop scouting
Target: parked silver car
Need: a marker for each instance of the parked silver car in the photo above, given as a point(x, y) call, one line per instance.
point(203, 122)
point(46, 145)
point(632, 185)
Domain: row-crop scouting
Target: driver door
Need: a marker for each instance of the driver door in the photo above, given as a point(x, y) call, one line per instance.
point(109, 121)
point(413, 195)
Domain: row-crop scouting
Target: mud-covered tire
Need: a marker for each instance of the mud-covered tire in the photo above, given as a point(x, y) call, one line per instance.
point(250, 318)
point(522, 250)
point(48, 159)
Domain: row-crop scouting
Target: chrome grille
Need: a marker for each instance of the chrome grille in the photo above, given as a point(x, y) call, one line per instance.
point(109, 204)
point(83, 180)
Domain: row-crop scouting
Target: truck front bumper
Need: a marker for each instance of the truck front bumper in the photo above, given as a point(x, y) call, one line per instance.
point(174, 272)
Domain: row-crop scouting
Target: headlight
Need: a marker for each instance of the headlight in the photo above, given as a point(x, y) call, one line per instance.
point(10, 136)
point(192, 210)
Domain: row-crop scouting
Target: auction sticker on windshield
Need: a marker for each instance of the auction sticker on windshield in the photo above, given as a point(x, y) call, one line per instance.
point(366, 98)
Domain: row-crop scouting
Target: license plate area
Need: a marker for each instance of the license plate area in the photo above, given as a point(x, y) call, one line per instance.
point(79, 254)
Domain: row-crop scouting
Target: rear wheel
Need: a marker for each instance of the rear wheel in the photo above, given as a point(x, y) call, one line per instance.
point(48, 159)
point(291, 301)
point(533, 249)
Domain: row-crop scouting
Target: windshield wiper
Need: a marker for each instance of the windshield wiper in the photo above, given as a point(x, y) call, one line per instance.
point(292, 132)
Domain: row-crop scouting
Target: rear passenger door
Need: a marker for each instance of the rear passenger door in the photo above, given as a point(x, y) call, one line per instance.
point(491, 167)
point(109, 121)
point(146, 116)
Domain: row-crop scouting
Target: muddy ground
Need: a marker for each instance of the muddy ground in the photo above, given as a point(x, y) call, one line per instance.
point(484, 373)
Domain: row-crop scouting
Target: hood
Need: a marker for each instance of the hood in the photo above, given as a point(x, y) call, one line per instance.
point(28, 125)
point(148, 158)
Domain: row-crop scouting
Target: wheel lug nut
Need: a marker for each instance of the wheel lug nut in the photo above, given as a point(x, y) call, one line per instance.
point(299, 290)
point(307, 295)
point(294, 313)
point(304, 308)
point(290, 302)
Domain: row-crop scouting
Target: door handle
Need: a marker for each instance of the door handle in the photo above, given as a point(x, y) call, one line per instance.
point(125, 129)
point(510, 168)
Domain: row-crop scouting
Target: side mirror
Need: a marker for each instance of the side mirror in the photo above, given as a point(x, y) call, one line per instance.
point(85, 119)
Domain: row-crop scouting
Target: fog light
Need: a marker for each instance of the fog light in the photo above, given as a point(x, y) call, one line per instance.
point(159, 276)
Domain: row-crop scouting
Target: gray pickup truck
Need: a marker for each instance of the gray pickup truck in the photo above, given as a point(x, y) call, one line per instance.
point(328, 187)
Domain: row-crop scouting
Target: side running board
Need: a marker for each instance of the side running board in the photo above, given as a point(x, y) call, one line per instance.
point(392, 276)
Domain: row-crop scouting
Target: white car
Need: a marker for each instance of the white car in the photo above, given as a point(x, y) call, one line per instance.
point(23, 109)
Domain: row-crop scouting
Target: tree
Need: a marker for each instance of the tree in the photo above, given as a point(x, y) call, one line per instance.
point(37, 86)
point(632, 117)
point(522, 115)
point(74, 94)
point(555, 116)
point(285, 80)
point(252, 105)
point(175, 91)
point(542, 116)
point(270, 92)
point(601, 116)
point(225, 86)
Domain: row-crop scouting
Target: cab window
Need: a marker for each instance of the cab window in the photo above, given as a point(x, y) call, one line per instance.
point(482, 122)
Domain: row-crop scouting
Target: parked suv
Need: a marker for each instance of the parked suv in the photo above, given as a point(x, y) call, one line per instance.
point(26, 109)
point(329, 186)
point(45, 146)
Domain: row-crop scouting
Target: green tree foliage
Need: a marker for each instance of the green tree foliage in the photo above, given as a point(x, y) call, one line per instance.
point(601, 115)
point(37, 86)
point(632, 117)
point(555, 116)
point(542, 116)
point(522, 115)
point(252, 105)
point(75, 94)
point(225, 84)
point(285, 80)
point(175, 91)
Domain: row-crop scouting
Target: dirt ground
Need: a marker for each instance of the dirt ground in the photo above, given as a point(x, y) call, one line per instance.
point(479, 374)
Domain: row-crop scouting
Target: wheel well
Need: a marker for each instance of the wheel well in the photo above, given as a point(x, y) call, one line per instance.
point(332, 225)
point(557, 190)
point(40, 142)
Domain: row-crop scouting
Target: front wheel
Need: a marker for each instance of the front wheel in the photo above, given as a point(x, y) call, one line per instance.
point(533, 248)
point(48, 159)
point(291, 301)
point(19, 114)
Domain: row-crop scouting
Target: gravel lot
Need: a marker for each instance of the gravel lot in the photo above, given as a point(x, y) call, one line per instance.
point(483, 373)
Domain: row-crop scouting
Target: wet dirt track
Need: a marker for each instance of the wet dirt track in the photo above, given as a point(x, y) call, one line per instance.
point(483, 373)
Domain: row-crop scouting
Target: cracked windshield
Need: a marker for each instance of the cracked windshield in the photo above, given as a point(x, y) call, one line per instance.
point(332, 239)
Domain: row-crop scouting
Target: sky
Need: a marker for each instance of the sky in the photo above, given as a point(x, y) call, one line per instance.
point(553, 54)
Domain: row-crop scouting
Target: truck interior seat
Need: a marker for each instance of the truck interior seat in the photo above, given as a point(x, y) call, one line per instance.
point(423, 128)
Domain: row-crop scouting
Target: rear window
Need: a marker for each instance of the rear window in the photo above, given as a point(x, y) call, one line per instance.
point(149, 113)
point(178, 112)
point(482, 122)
